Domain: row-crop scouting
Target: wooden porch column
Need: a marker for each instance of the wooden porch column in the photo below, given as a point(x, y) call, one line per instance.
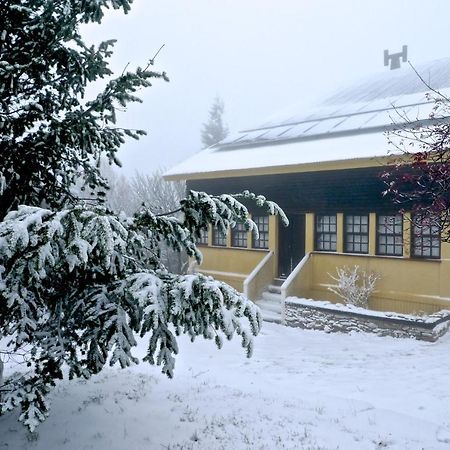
point(407, 224)
point(372, 234)
point(340, 232)
point(309, 232)
point(274, 224)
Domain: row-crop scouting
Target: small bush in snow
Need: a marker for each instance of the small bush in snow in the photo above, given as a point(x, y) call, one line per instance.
point(354, 285)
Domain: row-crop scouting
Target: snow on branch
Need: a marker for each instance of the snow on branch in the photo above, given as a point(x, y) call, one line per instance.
point(354, 286)
point(77, 286)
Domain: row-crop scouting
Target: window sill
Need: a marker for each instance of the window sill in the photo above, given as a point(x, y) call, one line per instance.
point(262, 250)
point(370, 255)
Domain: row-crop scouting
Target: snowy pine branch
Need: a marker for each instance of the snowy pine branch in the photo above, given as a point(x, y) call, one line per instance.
point(77, 285)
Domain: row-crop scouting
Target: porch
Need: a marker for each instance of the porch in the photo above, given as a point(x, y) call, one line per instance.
point(405, 286)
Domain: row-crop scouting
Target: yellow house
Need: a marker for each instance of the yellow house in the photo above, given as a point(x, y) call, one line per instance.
point(323, 168)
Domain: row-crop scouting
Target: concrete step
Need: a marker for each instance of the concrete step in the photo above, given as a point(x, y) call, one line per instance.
point(278, 281)
point(270, 316)
point(268, 305)
point(271, 297)
point(274, 289)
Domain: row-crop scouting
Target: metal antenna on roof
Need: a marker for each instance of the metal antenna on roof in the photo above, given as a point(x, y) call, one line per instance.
point(394, 58)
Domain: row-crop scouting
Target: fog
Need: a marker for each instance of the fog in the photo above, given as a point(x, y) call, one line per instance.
point(261, 57)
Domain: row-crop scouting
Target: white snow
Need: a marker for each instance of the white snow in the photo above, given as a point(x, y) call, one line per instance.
point(366, 312)
point(301, 390)
point(373, 145)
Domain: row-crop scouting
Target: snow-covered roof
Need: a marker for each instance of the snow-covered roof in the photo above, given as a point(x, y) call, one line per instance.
point(347, 125)
point(295, 153)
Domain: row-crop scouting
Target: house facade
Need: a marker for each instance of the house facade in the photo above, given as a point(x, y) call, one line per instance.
point(323, 168)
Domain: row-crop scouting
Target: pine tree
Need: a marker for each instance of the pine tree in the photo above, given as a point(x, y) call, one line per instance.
point(78, 283)
point(214, 130)
point(51, 133)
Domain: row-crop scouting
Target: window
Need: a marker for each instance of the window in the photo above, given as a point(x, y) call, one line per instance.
point(203, 240)
point(390, 235)
point(219, 238)
point(239, 235)
point(326, 233)
point(426, 238)
point(262, 222)
point(357, 233)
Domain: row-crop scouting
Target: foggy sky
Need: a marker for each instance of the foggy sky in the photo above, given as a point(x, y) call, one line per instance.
point(260, 56)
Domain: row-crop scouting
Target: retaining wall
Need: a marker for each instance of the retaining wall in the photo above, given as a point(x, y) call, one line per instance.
point(329, 317)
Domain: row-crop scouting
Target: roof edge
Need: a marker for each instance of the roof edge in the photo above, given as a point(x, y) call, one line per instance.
point(341, 164)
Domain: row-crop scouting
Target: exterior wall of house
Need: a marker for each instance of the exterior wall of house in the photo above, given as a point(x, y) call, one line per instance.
point(348, 190)
point(230, 265)
point(406, 285)
point(233, 264)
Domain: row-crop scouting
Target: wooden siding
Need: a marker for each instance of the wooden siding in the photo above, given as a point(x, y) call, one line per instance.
point(352, 190)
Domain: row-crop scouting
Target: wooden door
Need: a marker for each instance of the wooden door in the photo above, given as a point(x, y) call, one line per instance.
point(291, 244)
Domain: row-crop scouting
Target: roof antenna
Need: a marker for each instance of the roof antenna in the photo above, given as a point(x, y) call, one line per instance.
point(394, 58)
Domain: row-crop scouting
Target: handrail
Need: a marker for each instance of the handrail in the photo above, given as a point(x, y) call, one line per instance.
point(293, 275)
point(289, 281)
point(258, 272)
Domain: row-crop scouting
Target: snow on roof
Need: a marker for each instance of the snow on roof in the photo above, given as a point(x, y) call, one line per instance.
point(294, 153)
point(396, 83)
point(348, 125)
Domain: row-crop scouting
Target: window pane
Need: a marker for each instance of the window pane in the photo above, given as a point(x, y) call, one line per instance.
point(239, 235)
point(426, 238)
point(390, 235)
point(219, 238)
point(262, 222)
point(356, 233)
point(203, 240)
point(326, 232)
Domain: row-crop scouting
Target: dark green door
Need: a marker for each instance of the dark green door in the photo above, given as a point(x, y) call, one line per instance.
point(291, 244)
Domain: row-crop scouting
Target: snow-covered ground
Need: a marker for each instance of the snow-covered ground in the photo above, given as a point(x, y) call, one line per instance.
point(301, 390)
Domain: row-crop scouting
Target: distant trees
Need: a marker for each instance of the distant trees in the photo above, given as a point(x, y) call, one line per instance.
point(156, 193)
point(129, 195)
point(214, 129)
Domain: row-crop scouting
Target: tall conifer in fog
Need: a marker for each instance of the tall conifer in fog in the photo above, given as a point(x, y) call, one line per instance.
point(214, 130)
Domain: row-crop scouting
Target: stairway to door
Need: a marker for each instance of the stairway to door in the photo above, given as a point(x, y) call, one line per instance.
point(271, 302)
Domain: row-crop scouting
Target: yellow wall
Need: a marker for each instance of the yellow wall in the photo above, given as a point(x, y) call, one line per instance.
point(309, 232)
point(274, 224)
point(231, 265)
point(405, 285)
point(263, 275)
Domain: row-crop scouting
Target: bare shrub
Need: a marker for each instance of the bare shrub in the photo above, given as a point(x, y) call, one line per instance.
point(354, 285)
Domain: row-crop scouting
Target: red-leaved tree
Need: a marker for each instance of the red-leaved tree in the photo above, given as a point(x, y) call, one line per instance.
point(419, 182)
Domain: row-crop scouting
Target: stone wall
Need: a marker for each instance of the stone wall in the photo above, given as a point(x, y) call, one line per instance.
point(339, 318)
